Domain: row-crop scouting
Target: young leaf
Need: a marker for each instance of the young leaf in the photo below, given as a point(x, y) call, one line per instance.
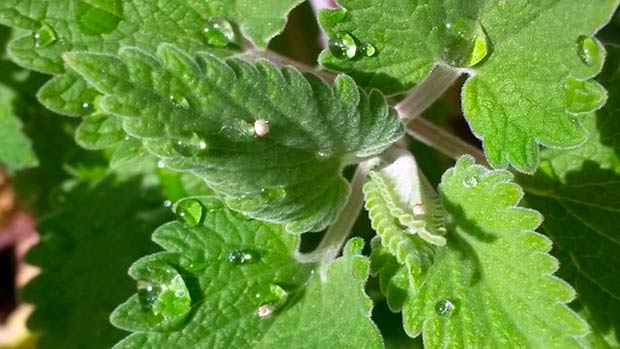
point(529, 68)
point(15, 148)
point(226, 281)
point(272, 142)
point(86, 245)
point(491, 285)
point(578, 191)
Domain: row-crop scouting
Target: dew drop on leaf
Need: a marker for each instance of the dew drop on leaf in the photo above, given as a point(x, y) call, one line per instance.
point(470, 182)
point(265, 310)
point(270, 299)
point(179, 101)
point(190, 212)
point(164, 295)
point(322, 155)
point(368, 49)
point(160, 164)
point(167, 203)
point(273, 194)
point(243, 257)
point(98, 16)
point(588, 50)
point(444, 308)
point(466, 43)
point(193, 265)
point(44, 37)
point(344, 46)
point(582, 96)
point(218, 32)
point(190, 147)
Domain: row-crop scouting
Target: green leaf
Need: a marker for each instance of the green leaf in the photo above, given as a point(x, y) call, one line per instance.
point(87, 244)
point(529, 69)
point(271, 141)
point(578, 191)
point(227, 281)
point(60, 26)
point(491, 286)
point(15, 148)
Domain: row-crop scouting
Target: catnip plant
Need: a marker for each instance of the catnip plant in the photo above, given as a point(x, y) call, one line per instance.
point(301, 200)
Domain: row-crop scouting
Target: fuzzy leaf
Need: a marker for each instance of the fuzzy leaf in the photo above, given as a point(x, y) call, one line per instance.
point(15, 148)
point(491, 286)
point(87, 244)
point(578, 191)
point(272, 142)
point(525, 60)
point(237, 283)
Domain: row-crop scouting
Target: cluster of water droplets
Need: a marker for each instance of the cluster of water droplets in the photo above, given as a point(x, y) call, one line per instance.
point(344, 45)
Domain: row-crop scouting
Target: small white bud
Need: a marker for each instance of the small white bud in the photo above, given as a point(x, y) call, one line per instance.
point(261, 127)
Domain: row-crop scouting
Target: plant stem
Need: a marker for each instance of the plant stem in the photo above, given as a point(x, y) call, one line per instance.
point(337, 233)
point(427, 92)
point(442, 141)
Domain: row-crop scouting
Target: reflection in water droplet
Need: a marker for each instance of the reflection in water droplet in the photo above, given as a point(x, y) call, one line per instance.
point(270, 299)
point(466, 43)
point(343, 45)
point(98, 16)
point(163, 294)
point(44, 37)
point(190, 212)
point(261, 127)
point(444, 308)
point(193, 265)
point(85, 105)
point(583, 96)
point(243, 257)
point(588, 50)
point(190, 147)
point(218, 32)
point(470, 182)
point(167, 203)
point(368, 49)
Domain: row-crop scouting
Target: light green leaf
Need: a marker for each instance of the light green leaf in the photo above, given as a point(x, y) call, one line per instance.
point(87, 243)
point(272, 142)
point(529, 63)
point(578, 191)
point(227, 281)
point(15, 148)
point(491, 286)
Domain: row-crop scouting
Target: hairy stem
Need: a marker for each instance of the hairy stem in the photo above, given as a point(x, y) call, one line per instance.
point(427, 92)
point(442, 141)
point(337, 233)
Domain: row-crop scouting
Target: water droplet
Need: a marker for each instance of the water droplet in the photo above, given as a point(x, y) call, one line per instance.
point(190, 147)
point(418, 210)
point(163, 293)
point(470, 181)
point(322, 155)
point(273, 194)
point(243, 257)
point(167, 203)
point(344, 46)
point(270, 300)
point(190, 212)
point(466, 43)
point(44, 37)
point(583, 96)
point(368, 49)
point(261, 127)
point(160, 164)
point(86, 105)
point(588, 50)
point(179, 101)
point(98, 16)
point(444, 308)
point(193, 265)
point(148, 292)
point(265, 310)
point(218, 32)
